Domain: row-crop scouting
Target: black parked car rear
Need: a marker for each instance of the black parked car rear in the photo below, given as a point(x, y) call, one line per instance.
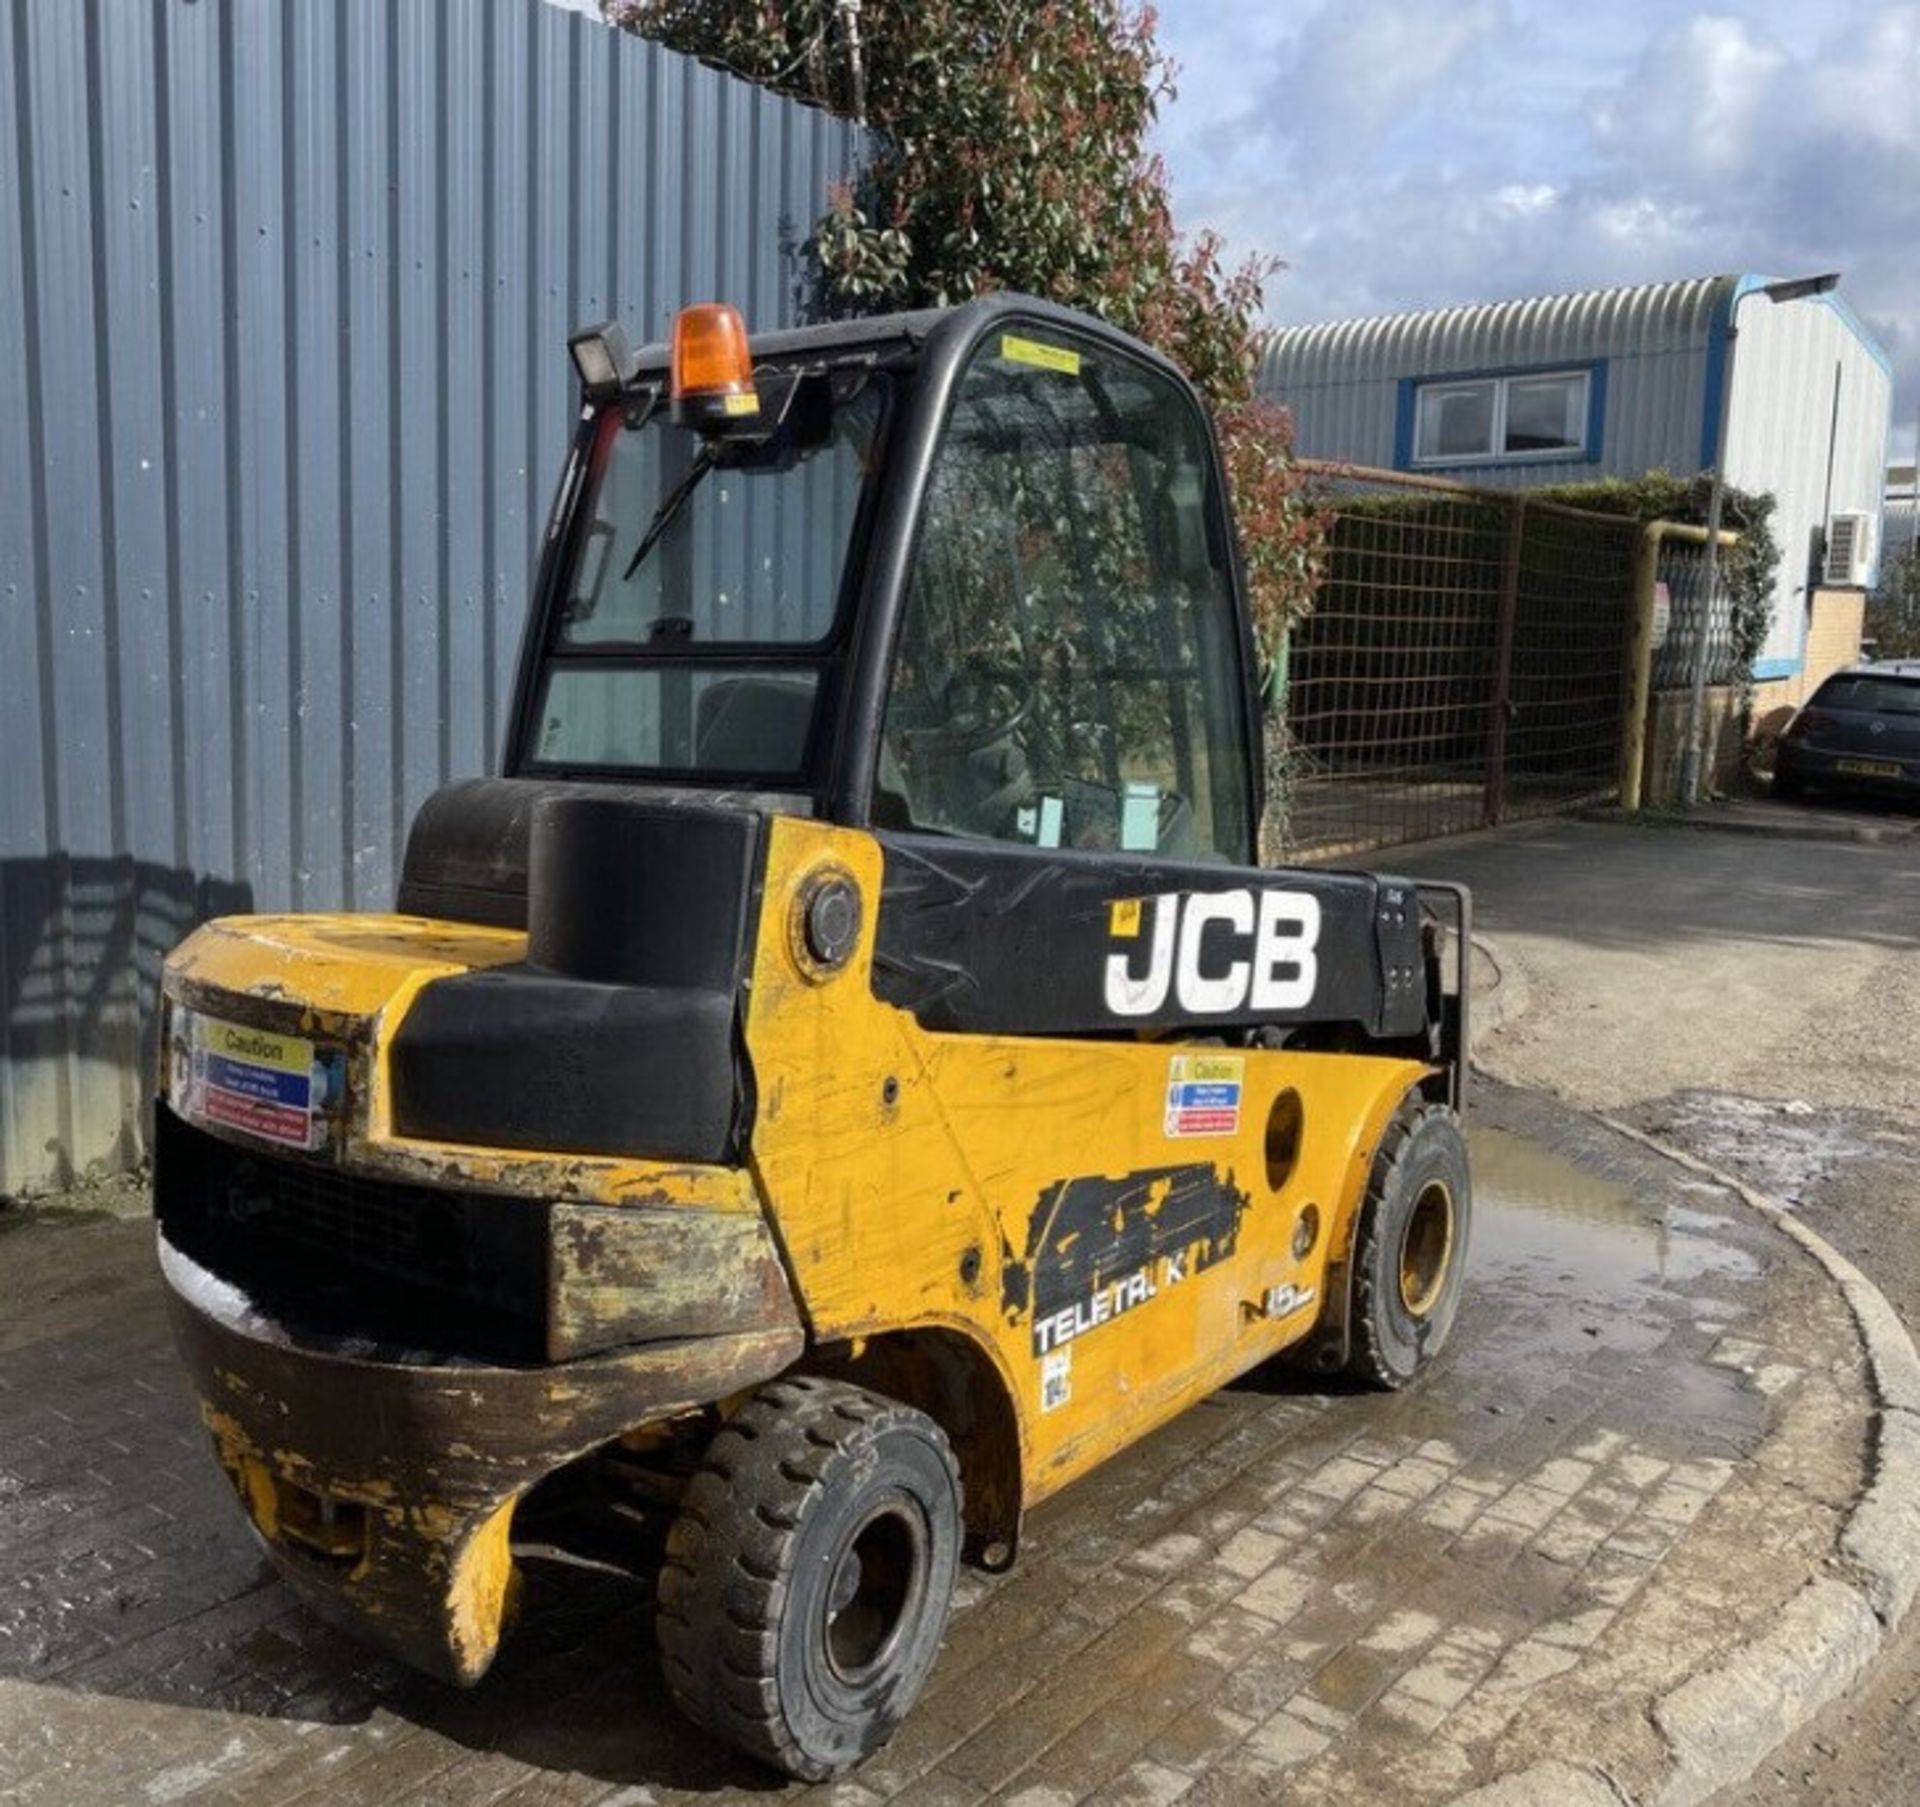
point(1860, 731)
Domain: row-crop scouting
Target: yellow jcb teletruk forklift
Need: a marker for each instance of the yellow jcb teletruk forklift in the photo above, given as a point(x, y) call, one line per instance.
point(849, 1077)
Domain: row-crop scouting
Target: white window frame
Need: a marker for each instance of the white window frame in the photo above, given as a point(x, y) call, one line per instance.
point(1497, 435)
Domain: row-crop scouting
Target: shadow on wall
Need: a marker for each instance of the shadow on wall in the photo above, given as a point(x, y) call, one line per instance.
point(1764, 735)
point(81, 942)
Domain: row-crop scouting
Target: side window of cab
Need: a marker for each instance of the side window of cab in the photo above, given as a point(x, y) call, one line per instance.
point(1068, 666)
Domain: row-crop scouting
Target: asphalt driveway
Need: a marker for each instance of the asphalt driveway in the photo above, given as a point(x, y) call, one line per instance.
point(1753, 997)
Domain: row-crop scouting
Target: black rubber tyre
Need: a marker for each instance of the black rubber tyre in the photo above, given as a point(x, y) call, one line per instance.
point(1787, 788)
point(809, 1575)
point(1411, 1251)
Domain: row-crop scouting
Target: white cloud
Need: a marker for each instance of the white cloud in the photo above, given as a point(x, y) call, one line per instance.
point(1402, 155)
point(1372, 63)
point(1872, 88)
point(1699, 99)
point(1526, 197)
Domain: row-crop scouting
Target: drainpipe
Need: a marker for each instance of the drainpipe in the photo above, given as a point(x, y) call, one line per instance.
point(1691, 760)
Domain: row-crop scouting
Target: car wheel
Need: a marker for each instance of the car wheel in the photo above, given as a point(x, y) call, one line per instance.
point(1411, 1250)
point(809, 1575)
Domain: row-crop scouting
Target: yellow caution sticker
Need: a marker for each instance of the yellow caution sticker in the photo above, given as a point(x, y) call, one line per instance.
point(256, 1080)
point(1123, 918)
point(1042, 357)
point(1203, 1094)
point(747, 403)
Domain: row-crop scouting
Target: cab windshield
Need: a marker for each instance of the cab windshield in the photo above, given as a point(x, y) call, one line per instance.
point(703, 596)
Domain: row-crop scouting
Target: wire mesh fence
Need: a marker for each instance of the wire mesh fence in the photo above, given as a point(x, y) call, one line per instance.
point(1467, 662)
point(1683, 571)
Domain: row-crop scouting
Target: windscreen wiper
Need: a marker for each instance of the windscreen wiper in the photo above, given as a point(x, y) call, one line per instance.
point(668, 511)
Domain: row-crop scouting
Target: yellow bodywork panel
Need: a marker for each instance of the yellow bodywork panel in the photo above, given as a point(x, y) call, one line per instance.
point(918, 1179)
point(480, 1586)
point(580, 1178)
point(351, 979)
point(1026, 1193)
point(348, 977)
point(338, 966)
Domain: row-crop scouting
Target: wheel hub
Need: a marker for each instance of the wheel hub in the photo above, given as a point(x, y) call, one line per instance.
point(878, 1576)
point(1426, 1249)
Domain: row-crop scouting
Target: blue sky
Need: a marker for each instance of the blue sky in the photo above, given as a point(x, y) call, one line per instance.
point(1412, 153)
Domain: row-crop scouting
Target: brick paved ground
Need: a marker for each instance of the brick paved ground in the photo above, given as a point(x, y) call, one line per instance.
point(1636, 1449)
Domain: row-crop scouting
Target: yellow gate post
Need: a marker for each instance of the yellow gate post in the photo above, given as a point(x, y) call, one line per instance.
point(1646, 581)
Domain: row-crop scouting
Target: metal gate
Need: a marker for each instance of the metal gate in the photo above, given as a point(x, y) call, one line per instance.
point(1467, 662)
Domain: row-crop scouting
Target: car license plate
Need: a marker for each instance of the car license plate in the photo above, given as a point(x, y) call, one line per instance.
point(1868, 768)
point(231, 1076)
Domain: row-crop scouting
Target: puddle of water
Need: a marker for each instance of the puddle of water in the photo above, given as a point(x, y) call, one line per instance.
point(1560, 1230)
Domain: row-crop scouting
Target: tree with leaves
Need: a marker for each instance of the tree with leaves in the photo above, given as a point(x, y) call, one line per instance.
point(1893, 610)
point(1011, 154)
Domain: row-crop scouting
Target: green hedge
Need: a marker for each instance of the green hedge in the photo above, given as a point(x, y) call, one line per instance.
point(1749, 569)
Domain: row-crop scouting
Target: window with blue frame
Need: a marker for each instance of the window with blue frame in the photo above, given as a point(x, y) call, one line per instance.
point(1499, 419)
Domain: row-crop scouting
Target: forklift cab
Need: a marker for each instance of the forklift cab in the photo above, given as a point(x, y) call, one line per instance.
point(966, 574)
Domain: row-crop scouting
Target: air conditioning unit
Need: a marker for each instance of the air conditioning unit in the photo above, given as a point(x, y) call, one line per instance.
point(1849, 560)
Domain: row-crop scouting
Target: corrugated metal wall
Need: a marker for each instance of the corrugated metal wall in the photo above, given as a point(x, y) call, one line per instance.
point(1899, 526)
point(284, 290)
point(1811, 411)
point(1342, 379)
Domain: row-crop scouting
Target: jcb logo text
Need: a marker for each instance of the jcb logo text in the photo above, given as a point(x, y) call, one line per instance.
point(1216, 952)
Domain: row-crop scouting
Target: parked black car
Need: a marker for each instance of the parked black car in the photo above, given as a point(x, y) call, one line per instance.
point(1860, 731)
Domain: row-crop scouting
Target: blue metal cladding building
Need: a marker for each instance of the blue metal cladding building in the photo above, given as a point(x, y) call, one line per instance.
point(284, 294)
point(1642, 370)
